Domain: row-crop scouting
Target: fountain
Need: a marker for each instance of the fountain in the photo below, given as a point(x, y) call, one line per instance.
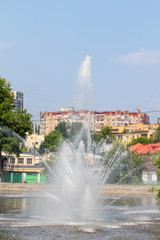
point(76, 186)
point(73, 206)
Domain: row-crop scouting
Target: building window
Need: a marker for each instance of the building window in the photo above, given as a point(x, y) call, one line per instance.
point(21, 160)
point(12, 161)
point(29, 160)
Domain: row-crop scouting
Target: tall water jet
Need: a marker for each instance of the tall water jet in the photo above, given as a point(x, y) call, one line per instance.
point(84, 96)
point(76, 186)
point(85, 93)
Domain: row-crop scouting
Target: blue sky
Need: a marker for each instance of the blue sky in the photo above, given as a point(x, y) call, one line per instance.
point(43, 43)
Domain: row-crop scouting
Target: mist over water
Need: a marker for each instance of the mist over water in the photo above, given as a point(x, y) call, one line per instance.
point(75, 185)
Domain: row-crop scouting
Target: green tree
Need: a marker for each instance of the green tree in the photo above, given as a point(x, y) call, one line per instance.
point(95, 137)
point(122, 166)
point(74, 129)
point(77, 132)
point(157, 135)
point(105, 135)
point(141, 140)
point(14, 125)
point(156, 161)
point(51, 141)
point(62, 127)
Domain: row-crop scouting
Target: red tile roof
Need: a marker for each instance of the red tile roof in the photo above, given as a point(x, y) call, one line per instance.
point(144, 149)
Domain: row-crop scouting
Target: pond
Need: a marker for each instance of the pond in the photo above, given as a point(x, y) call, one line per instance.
point(27, 216)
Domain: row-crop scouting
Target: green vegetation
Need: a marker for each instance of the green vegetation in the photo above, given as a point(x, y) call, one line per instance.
point(105, 135)
point(156, 158)
point(51, 142)
point(157, 135)
point(62, 132)
point(14, 125)
point(65, 131)
point(73, 130)
point(122, 166)
point(141, 140)
point(156, 161)
point(62, 127)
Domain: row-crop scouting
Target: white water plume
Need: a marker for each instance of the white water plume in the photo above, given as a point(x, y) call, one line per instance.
point(84, 96)
point(75, 184)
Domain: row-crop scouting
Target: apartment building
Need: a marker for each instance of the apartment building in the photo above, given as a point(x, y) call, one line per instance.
point(126, 134)
point(98, 120)
point(49, 120)
point(18, 99)
point(34, 141)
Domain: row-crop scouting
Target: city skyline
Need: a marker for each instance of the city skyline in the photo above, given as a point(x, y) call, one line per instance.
point(43, 44)
point(98, 120)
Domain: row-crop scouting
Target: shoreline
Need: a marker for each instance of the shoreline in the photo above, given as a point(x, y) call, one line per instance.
point(128, 190)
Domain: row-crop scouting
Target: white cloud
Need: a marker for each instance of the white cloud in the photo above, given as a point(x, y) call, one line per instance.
point(4, 45)
point(141, 57)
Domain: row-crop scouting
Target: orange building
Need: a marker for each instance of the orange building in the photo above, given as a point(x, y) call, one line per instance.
point(98, 120)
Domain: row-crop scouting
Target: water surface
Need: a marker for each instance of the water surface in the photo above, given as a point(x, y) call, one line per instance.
point(31, 216)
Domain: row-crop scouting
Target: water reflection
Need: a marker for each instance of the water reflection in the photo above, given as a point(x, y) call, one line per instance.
point(33, 203)
point(131, 201)
point(10, 204)
point(19, 203)
point(30, 216)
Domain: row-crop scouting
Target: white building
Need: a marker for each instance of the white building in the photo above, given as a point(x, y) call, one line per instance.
point(149, 172)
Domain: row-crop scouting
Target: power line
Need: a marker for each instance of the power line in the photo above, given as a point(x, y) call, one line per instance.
point(151, 111)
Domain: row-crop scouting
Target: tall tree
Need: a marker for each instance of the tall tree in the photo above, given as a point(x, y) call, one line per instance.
point(14, 125)
point(62, 127)
point(95, 137)
point(105, 135)
point(74, 130)
point(51, 141)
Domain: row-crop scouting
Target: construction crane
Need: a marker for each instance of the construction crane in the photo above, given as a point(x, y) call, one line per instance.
point(138, 109)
